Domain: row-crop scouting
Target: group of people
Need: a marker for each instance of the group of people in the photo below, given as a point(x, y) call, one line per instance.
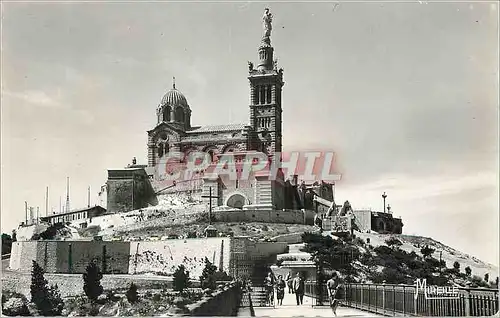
point(296, 286)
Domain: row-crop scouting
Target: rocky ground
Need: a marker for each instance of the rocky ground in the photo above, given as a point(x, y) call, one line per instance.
point(254, 229)
point(150, 302)
point(448, 254)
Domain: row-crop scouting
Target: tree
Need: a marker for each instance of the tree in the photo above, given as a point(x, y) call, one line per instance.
point(468, 271)
point(427, 251)
point(46, 299)
point(132, 295)
point(328, 253)
point(486, 277)
point(456, 266)
point(207, 278)
point(92, 281)
point(181, 278)
point(6, 243)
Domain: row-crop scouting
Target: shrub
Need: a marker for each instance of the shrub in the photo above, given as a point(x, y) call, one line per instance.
point(359, 241)
point(393, 242)
point(46, 298)
point(477, 281)
point(468, 271)
point(456, 266)
point(92, 281)
point(207, 278)
point(427, 251)
point(15, 306)
point(486, 277)
point(181, 278)
point(132, 295)
point(51, 231)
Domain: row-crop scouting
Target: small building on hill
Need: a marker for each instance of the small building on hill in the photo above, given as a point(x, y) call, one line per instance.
point(380, 222)
point(75, 215)
point(129, 189)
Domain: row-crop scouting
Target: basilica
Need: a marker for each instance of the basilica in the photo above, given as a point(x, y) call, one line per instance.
point(174, 132)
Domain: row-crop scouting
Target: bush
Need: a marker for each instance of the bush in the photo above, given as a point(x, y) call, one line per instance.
point(16, 306)
point(131, 294)
point(181, 278)
point(51, 231)
point(477, 281)
point(486, 277)
point(468, 271)
point(456, 266)
point(207, 278)
point(92, 281)
point(47, 299)
point(427, 251)
point(393, 242)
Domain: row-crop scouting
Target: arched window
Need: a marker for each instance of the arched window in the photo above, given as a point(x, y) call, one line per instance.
point(166, 113)
point(179, 115)
point(212, 155)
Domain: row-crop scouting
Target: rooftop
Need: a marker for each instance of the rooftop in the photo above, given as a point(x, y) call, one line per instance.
point(217, 128)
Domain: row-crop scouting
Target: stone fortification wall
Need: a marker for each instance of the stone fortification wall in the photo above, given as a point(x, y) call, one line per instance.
point(70, 256)
point(166, 256)
point(153, 257)
point(266, 216)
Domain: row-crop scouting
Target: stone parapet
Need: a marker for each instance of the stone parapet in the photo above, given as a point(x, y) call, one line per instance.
point(223, 302)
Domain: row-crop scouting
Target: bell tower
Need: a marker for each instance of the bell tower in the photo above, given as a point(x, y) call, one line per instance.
point(266, 82)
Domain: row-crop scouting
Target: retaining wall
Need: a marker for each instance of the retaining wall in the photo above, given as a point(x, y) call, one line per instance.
point(265, 216)
point(224, 302)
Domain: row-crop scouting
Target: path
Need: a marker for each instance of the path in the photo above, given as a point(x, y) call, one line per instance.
point(290, 309)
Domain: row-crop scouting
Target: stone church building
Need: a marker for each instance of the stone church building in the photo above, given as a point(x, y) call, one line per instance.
point(174, 132)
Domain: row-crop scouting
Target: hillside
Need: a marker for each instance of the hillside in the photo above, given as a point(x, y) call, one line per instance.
point(398, 259)
point(184, 215)
point(449, 254)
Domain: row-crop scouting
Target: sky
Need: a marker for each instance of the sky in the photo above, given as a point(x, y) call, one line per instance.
point(406, 94)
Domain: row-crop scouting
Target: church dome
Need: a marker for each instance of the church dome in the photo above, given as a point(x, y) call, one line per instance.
point(174, 98)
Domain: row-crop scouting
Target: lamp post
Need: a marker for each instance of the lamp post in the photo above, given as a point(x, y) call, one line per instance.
point(383, 197)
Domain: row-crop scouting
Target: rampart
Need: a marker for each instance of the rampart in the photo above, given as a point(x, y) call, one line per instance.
point(157, 257)
point(265, 216)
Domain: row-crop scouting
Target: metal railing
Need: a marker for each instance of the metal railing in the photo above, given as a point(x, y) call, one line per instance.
point(396, 300)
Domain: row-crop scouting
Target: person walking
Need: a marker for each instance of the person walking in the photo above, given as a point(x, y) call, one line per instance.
point(288, 280)
point(299, 289)
point(280, 290)
point(332, 286)
point(269, 284)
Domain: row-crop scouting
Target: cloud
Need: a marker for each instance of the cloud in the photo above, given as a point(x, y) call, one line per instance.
point(38, 98)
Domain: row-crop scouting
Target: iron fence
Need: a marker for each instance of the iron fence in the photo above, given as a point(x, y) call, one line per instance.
point(396, 300)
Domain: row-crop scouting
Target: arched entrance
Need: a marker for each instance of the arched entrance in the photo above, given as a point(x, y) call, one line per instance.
point(236, 200)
